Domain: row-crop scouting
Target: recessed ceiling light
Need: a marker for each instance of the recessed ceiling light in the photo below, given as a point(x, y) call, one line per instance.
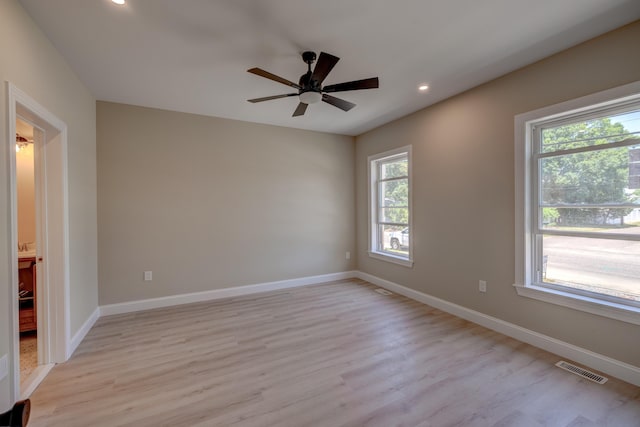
point(120, 2)
point(423, 87)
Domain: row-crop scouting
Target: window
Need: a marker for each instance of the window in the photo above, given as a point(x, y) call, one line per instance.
point(390, 206)
point(578, 173)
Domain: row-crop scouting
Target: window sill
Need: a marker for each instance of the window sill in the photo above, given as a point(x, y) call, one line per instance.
point(624, 313)
point(393, 259)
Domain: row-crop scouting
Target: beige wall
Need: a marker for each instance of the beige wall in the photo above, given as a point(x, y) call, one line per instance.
point(29, 60)
point(463, 191)
point(26, 195)
point(208, 203)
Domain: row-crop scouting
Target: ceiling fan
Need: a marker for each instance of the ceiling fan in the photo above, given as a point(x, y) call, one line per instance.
point(310, 88)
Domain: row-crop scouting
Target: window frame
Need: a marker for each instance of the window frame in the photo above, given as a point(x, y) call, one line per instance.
point(527, 196)
point(373, 222)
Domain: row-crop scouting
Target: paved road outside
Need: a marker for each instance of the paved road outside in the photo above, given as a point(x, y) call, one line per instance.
point(607, 266)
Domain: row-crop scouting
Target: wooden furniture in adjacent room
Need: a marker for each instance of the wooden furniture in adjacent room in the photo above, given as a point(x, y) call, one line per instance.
point(27, 293)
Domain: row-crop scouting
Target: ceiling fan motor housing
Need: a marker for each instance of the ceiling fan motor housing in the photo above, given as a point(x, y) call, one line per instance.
point(310, 88)
point(309, 57)
point(307, 82)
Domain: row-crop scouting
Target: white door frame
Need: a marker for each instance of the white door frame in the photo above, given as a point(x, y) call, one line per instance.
point(50, 152)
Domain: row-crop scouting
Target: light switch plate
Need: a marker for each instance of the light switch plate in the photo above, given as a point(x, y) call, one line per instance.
point(4, 367)
point(148, 276)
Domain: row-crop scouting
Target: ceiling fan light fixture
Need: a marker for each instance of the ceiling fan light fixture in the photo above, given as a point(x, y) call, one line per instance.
point(310, 97)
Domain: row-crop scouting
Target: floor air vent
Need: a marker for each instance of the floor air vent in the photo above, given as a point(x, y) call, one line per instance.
point(591, 376)
point(383, 291)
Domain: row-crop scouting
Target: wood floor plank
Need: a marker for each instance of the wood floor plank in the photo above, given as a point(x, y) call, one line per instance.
point(336, 354)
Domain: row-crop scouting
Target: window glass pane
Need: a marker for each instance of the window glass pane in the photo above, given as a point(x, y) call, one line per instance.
point(634, 168)
point(605, 266)
point(602, 130)
point(592, 220)
point(395, 192)
point(389, 192)
point(395, 215)
point(594, 177)
point(394, 239)
point(394, 168)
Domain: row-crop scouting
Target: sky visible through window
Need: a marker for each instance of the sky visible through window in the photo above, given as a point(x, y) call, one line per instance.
point(630, 121)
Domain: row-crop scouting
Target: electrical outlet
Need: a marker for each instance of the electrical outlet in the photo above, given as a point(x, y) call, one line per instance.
point(348, 255)
point(148, 276)
point(482, 286)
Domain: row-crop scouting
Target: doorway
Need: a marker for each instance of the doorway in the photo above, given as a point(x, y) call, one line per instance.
point(39, 241)
point(27, 243)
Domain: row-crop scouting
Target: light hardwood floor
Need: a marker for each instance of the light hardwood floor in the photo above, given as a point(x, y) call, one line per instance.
point(336, 354)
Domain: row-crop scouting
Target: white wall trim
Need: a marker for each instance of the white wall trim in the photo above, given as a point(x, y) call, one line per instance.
point(581, 355)
point(390, 258)
point(82, 332)
point(148, 304)
point(54, 271)
point(624, 313)
point(372, 214)
point(13, 240)
point(527, 285)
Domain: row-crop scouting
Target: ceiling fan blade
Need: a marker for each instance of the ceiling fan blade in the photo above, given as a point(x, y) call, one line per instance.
point(371, 83)
point(262, 73)
point(324, 66)
point(269, 98)
point(337, 102)
point(302, 107)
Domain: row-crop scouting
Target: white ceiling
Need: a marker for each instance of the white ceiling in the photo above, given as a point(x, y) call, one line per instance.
point(192, 55)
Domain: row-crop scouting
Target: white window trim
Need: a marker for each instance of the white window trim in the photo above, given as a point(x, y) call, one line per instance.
point(383, 256)
point(523, 192)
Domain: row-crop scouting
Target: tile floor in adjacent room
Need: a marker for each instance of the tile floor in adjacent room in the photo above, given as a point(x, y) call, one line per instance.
point(28, 355)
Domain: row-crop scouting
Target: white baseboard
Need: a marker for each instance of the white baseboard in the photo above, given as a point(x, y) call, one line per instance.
point(147, 304)
point(82, 332)
point(613, 367)
point(581, 355)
